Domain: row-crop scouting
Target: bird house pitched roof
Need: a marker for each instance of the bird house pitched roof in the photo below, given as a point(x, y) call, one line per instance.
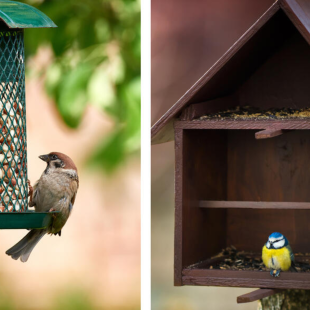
point(245, 56)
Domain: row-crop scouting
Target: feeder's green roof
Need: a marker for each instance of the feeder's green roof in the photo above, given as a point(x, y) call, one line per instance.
point(21, 15)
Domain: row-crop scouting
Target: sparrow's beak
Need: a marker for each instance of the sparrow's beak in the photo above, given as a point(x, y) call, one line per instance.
point(44, 158)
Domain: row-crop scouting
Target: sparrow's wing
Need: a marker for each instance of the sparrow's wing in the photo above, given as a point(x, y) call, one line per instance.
point(74, 187)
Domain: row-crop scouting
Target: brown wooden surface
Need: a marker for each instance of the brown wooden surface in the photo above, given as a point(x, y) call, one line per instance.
point(268, 170)
point(261, 279)
point(283, 80)
point(274, 48)
point(205, 264)
point(203, 175)
point(232, 167)
point(292, 124)
point(196, 110)
point(254, 205)
point(271, 60)
point(256, 295)
point(178, 207)
point(268, 133)
point(250, 54)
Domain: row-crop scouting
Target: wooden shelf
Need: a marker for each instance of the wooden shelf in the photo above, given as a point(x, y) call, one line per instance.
point(238, 278)
point(200, 274)
point(214, 204)
point(289, 124)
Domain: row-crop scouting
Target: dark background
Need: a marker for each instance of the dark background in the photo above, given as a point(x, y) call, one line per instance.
point(188, 37)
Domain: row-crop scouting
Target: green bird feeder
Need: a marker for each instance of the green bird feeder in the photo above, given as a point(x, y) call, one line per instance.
point(14, 213)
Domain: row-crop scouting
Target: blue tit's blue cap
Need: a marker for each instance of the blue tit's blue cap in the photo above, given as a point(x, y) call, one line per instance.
point(276, 235)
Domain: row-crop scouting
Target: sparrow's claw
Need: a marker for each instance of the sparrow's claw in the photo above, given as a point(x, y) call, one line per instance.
point(30, 189)
point(52, 210)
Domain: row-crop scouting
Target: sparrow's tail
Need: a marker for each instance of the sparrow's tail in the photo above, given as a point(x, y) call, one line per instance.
point(24, 247)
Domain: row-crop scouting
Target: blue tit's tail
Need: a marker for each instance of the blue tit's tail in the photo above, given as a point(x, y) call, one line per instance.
point(292, 268)
point(24, 247)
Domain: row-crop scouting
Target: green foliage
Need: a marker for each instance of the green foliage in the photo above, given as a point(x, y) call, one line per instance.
point(97, 62)
point(73, 299)
point(6, 299)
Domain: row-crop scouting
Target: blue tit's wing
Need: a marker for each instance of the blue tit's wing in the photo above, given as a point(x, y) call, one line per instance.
point(292, 268)
point(291, 253)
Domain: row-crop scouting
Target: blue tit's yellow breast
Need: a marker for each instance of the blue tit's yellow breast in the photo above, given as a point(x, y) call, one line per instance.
point(277, 258)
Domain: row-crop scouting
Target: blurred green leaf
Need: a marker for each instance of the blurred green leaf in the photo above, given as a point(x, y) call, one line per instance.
point(96, 62)
point(110, 153)
point(100, 89)
point(72, 97)
point(73, 299)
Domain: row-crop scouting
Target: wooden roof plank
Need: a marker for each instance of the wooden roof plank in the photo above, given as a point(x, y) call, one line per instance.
point(299, 14)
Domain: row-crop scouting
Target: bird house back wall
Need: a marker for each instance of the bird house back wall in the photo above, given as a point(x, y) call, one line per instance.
point(231, 165)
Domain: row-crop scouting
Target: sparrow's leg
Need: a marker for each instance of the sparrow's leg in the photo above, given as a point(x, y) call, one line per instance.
point(52, 210)
point(277, 273)
point(30, 194)
point(271, 272)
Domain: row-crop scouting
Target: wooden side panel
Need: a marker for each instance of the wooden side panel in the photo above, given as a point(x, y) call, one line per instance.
point(178, 207)
point(203, 169)
point(268, 170)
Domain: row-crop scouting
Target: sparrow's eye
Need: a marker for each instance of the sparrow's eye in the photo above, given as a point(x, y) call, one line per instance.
point(54, 157)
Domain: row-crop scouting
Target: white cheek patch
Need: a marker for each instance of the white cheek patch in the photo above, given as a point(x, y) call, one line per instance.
point(275, 239)
point(268, 245)
point(279, 244)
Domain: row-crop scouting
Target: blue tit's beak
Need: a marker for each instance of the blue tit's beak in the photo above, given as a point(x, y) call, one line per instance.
point(45, 158)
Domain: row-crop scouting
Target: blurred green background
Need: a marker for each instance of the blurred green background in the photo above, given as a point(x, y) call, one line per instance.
point(96, 61)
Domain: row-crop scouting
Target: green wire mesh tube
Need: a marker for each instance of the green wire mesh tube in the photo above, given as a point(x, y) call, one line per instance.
point(13, 144)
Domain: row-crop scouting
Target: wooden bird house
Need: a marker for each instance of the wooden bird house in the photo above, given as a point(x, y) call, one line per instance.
point(242, 156)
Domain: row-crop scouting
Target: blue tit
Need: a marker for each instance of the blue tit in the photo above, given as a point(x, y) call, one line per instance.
point(277, 254)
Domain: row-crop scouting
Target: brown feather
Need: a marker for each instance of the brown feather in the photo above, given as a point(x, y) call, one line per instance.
point(74, 187)
point(69, 164)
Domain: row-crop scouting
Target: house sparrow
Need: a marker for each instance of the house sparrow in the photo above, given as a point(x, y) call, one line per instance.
point(54, 191)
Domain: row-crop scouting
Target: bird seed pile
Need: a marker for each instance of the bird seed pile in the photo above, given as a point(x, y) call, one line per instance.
point(241, 260)
point(237, 260)
point(247, 112)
